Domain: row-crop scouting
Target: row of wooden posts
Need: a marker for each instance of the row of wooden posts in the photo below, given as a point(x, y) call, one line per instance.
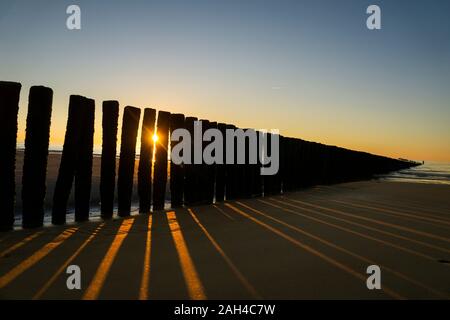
point(302, 163)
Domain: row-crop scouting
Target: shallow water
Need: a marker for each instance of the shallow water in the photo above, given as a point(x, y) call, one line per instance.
point(429, 172)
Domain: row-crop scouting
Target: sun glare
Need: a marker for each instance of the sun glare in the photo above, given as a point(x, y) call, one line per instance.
point(155, 138)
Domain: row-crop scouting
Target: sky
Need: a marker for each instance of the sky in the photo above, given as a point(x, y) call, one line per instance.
point(311, 68)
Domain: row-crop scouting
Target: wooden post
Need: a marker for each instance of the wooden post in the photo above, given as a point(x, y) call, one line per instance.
point(110, 119)
point(176, 170)
point(230, 181)
point(277, 176)
point(286, 157)
point(268, 180)
point(257, 181)
point(210, 174)
point(83, 171)
point(145, 161)
point(220, 169)
point(248, 173)
point(9, 108)
point(239, 178)
point(203, 169)
point(282, 161)
point(191, 178)
point(161, 161)
point(130, 126)
point(35, 158)
point(76, 161)
point(307, 164)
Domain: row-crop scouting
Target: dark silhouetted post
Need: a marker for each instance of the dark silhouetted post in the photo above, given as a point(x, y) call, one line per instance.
point(210, 174)
point(246, 174)
point(35, 158)
point(191, 178)
point(230, 180)
point(9, 108)
point(176, 170)
point(130, 125)
point(161, 160)
point(256, 169)
point(203, 167)
point(145, 161)
point(110, 121)
point(76, 161)
point(83, 171)
point(66, 171)
point(220, 168)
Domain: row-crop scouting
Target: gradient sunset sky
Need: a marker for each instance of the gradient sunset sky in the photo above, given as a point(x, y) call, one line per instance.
point(309, 68)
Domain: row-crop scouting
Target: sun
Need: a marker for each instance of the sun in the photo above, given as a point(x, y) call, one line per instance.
point(155, 138)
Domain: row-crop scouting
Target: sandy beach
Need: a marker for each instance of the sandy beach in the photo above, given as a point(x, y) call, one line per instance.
point(311, 244)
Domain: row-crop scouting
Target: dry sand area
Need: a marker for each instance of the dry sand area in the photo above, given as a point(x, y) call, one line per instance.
point(311, 244)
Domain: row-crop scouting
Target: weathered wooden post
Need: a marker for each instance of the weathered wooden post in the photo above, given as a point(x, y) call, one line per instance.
point(308, 163)
point(83, 172)
point(257, 181)
point(203, 169)
point(277, 176)
point(176, 170)
point(220, 168)
point(286, 157)
point(190, 174)
point(161, 160)
point(292, 171)
point(210, 174)
point(282, 161)
point(297, 164)
point(268, 180)
point(146, 161)
point(35, 158)
point(66, 171)
point(76, 161)
point(245, 172)
point(9, 108)
point(230, 181)
point(110, 119)
point(130, 125)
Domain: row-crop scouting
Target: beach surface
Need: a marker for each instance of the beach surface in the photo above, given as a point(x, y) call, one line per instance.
point(312, 244)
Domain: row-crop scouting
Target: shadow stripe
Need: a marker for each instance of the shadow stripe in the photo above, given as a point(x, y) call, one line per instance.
point(395, 226)
point(313, 251)
point(228, 261)
point(193, 283)
point(403, 209)
point(47, 285)
point(36, 257)
point(96, 284)
point(388, 212)
point(420, 254)
point(351, 253)
point(143, 290)
point(20, 244)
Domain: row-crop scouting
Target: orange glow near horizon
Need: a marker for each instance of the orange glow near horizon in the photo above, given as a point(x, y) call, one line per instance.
point(382, 146)
point(387, 138)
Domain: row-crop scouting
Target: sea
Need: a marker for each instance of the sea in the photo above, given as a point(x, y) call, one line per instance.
point(430, 172)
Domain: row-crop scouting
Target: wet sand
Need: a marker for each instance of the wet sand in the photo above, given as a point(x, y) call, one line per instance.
point(311, 244)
